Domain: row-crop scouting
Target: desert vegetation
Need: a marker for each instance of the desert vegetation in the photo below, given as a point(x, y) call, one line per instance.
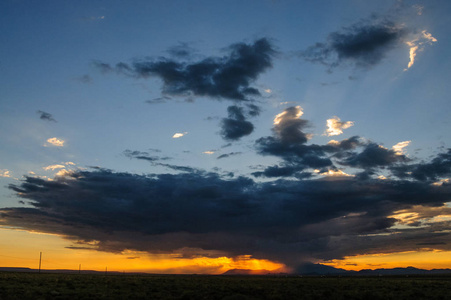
point(89, 286)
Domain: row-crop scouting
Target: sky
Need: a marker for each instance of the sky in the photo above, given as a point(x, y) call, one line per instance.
point(203, 136)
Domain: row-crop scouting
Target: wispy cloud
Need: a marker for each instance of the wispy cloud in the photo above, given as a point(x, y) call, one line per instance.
point(84, 79)
point(416, 44)
point(45, 116)
point(54, 167)
point(93, 18)
point(143, 155)
point(228, 155)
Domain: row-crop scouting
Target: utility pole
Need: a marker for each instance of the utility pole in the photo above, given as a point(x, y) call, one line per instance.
point(79, 268)
point(106, 269)
point(40, 259)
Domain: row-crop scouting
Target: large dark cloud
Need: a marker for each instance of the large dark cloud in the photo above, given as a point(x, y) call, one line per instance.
point(372, 156)
point(228, 77)
point(288, 221)
point(364, 44)
point(301, 216)
point(438, 167)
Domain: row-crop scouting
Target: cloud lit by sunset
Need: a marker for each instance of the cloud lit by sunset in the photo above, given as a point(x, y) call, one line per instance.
point(148, 138)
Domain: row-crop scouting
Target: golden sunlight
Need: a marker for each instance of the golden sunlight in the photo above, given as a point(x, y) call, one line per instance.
point(21, 248)
point(426, 259)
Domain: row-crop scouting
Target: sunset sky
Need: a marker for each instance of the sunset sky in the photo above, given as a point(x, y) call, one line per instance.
point(203, 136)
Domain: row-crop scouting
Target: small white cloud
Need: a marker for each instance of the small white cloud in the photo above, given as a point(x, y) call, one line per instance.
point(69, 163)
point(54, 167)
point(399, 147)
point(54, 142)
point(5, 173)
point(179, 135)
point(336, 127)
point(208, 152)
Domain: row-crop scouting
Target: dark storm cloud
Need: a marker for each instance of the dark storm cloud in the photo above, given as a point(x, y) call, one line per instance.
point(228, 77)
point(235, 126)
point(438, 167)
point(364, 45)
point(45, 116)
point(280, 220)
point(373, 155)
point(278, 171)
point(305, 156)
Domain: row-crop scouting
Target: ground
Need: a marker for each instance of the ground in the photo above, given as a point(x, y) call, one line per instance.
point(89, 286)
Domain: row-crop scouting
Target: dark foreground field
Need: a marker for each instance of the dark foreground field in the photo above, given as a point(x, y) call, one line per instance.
point(74, 286)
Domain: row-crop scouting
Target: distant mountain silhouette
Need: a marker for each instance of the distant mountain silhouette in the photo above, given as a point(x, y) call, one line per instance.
point(319, 269)
point(310, 269)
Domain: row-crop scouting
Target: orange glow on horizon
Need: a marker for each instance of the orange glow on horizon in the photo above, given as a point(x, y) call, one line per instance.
point(426, 259)
point(20, 248)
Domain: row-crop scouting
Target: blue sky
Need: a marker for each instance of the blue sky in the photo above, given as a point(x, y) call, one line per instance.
point(75, 72)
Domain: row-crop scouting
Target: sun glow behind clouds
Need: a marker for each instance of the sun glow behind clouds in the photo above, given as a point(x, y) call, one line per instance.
point(283, 116)
point(60, 254)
